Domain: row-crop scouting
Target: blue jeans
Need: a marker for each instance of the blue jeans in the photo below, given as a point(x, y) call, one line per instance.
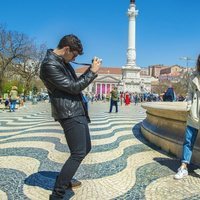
point(113, 103)
point(190, 138)
point(12, 105)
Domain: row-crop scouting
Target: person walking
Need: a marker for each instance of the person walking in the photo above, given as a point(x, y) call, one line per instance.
point(13, 98)
point(114, 99)
point(127, 98)
point(193, 123)
point(136, 99)
point(121, 98)
point(68, 108)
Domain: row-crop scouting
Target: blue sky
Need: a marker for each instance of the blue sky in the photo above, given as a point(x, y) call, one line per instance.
point(165, 29)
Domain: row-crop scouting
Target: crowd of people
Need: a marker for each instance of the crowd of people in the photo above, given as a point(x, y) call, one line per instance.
point(125, 98)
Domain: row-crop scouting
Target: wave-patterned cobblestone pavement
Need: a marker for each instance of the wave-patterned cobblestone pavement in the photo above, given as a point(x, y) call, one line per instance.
point(121, 166)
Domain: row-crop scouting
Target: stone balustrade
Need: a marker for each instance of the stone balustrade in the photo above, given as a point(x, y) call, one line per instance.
point(164, 126)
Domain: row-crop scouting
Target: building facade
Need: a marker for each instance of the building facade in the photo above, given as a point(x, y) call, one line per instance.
point(154, 70)
point(172, 74)
point(108, 77)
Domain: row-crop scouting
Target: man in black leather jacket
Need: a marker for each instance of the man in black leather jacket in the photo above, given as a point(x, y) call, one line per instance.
point(68, 108)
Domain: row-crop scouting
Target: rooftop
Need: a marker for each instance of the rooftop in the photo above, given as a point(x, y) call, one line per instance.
point(103, 70)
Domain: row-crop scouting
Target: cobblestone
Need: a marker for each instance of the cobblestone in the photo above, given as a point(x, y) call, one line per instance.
point(122, 164)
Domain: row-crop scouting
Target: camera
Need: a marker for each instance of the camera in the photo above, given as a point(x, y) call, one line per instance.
point(98, 59)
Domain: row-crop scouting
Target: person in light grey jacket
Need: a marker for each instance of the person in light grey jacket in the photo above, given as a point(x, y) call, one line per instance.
point(193, 123)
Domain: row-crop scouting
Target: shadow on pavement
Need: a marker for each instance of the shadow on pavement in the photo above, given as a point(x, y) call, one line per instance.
point(172, 162)
point(175, 164)
point(137, 133)
point(168, 162)
point(46, 180)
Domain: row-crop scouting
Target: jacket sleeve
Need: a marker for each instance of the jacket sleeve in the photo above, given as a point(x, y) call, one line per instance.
point(189, 95)
point(54, 75)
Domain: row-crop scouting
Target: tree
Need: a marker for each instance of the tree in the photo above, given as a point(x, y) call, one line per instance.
point(160, 87)
point(13, 46)
point(9, 83)
point(181, 87)
point(35, 90)
point(29, 64)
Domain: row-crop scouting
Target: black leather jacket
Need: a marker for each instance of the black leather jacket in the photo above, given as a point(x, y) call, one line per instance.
point(64, 87)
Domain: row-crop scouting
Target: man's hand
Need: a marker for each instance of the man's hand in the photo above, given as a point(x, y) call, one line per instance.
point(96, 64)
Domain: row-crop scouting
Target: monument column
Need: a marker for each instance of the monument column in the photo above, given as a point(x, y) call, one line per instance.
point(131, 52)
point(131, 72)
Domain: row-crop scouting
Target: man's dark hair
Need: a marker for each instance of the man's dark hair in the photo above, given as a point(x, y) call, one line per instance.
point(73, 42)
point(198, 63)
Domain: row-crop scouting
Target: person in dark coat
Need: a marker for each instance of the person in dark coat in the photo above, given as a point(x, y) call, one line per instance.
point(67, 104)
point(169, 95)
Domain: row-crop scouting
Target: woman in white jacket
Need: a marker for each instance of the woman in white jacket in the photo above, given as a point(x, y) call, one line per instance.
point(192, 128)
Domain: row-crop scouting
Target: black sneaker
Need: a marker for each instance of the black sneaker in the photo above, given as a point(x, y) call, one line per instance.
point(54, 197)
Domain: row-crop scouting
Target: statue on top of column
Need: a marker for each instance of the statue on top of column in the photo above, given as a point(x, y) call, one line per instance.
point(132, 1)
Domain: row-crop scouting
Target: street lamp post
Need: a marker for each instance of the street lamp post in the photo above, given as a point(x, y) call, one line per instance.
point(187, 59)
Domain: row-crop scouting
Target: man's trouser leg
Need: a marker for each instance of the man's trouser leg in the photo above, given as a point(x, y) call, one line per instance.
point(116, 106)
point(78, 139)
point(111, 105)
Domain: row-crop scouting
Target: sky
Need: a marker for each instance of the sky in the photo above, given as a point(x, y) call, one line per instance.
point(166, 31)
